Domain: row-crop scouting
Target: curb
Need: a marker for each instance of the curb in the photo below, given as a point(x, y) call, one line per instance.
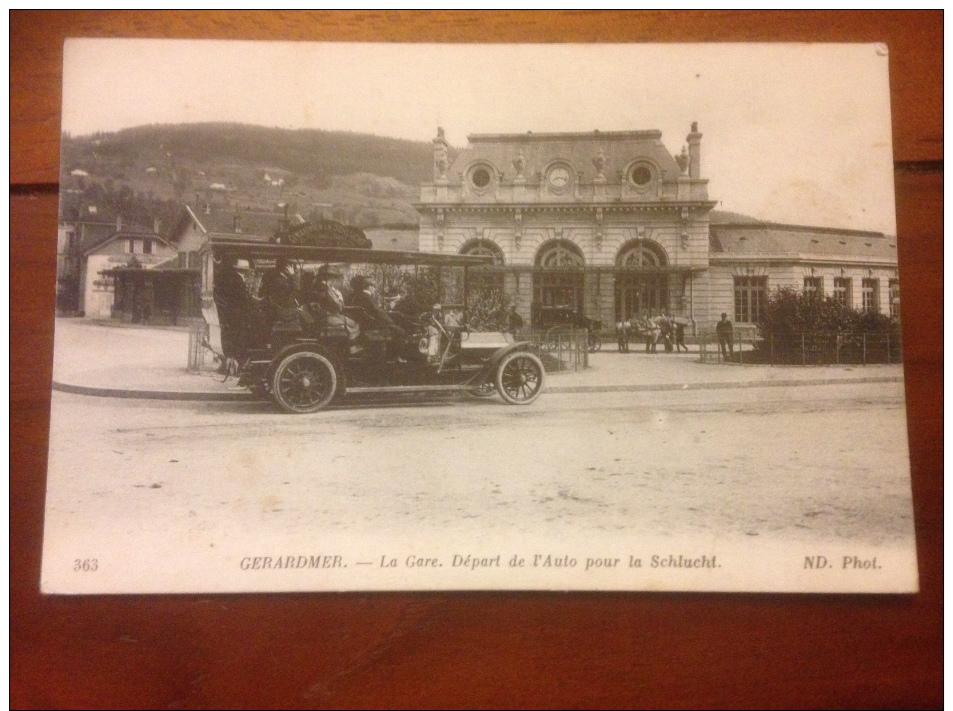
point(558, 390)
point(720, 386)
point(151, 394)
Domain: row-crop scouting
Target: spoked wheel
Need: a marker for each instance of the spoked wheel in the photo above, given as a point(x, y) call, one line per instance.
point(595, 343)
point(484, 389)
point(555, 337)
point(304, 382)
point(520, 378)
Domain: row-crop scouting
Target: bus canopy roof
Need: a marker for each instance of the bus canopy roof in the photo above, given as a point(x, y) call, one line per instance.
point(248, 249)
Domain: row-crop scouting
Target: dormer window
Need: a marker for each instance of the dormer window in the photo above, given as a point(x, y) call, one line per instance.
point(139, 246)
point(480, 178)
point(641, 175)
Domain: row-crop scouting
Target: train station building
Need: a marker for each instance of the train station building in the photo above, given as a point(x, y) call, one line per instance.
point(613, 225)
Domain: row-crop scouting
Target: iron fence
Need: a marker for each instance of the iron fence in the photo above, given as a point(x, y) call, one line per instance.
point(200, 357)
point(563, 349)
point(805, 349)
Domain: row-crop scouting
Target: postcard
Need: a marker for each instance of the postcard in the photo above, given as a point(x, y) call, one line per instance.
point(353, 317)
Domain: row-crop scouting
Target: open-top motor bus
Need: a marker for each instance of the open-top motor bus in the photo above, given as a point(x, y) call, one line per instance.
point(302, 359)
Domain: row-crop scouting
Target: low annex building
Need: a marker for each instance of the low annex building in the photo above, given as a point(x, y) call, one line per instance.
point(613, 225)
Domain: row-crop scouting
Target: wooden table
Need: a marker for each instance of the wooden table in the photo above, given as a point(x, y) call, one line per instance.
point(466, 649)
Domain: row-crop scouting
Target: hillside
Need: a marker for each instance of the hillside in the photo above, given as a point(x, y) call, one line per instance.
point(148, 171)
point(359, 179)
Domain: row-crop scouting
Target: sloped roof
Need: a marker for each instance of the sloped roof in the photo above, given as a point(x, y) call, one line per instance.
point(132, 231)
point(250, 223)
point(792, 241)
point(620, 148)
point(404, 240)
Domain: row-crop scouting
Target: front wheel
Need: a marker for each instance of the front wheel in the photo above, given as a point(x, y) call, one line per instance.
point(520, 378)
point(304, 382)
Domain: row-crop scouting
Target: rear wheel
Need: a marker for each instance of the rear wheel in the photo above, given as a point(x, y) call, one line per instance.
point(520, 377)
point(304, 382)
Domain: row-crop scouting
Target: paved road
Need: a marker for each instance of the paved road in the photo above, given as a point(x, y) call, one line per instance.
point(808, 465)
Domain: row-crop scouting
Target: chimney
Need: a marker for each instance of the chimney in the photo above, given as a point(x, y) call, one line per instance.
point(694, 140)
point(237, 223)
point(156, 224)
point(118, 223)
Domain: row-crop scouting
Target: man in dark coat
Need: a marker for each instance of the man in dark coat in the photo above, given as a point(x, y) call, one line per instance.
point(725, 332)
point(233, 305)
point(515, 322)
point(278, 289)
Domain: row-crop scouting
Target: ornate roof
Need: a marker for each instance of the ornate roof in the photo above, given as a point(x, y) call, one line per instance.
point(615, 150)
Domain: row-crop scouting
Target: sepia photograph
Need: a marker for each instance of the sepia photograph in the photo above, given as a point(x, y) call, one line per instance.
point(477, 317)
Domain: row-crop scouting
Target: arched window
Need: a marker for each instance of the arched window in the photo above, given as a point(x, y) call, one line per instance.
point(558, 282)
point(561, 254)
point(484, 248)
point(642, 254)
point(641, 284)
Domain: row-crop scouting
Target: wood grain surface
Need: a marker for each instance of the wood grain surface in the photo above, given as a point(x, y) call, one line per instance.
point(474, 649)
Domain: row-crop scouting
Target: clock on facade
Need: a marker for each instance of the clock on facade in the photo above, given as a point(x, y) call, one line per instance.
point(558, 177)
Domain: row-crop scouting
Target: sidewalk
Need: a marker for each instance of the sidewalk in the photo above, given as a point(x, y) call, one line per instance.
point(101, 358)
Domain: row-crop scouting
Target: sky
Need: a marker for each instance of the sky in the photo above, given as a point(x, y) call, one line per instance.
point(792, 133)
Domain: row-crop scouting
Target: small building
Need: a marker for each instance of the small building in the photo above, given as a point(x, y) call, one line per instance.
point(857, 268)
point(111, 274)
point(80, 228)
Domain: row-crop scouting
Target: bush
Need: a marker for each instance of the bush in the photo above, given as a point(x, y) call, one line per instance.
point(795, 321)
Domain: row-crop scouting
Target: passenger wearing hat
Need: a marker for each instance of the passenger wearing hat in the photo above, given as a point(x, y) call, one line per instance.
point(278, 294)
point(278, 287)
point(329, 299)
point(362, 296)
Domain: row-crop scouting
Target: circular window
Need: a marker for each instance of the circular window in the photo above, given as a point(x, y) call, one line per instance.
point(641, 175)
point(480, 177)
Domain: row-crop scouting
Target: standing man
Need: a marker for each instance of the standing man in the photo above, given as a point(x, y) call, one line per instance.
point(652, 335)
point(680, 335)
point(515, 322)
point(232, 301)
point(725, 332)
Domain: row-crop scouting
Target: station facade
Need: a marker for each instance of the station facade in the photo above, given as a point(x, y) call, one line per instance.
point(613, 225)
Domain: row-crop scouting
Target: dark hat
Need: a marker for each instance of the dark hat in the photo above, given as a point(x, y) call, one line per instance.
point(360, 282)
point(329, 272)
